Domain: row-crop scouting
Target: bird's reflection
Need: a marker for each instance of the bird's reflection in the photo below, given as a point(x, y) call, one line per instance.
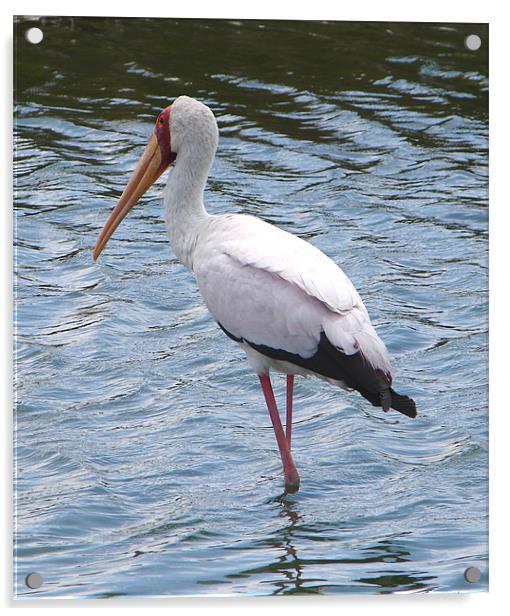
point(293, 570)
point(290, 567)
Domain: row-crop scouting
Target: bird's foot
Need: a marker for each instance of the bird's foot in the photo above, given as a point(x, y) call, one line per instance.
point(291, 482)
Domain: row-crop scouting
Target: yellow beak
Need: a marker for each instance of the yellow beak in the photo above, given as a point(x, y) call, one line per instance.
point(147, 171)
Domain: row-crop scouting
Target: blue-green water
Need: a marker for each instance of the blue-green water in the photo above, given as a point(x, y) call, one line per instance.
point(145, 459)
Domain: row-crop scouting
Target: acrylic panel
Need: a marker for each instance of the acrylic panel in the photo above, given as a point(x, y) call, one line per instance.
point(146, 462)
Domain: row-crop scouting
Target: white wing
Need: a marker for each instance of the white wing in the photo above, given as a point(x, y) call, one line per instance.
point(269, 287)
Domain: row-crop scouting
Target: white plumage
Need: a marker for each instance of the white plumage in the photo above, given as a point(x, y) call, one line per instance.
point(271, 288)
point(261, 283)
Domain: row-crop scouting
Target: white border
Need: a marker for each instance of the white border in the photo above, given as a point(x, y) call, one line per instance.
point(431, 10)
point(390, 10)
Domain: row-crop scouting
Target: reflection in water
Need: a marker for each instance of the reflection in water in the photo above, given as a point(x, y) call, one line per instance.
point(293, 571)
point(140, 429)
point(293, 567)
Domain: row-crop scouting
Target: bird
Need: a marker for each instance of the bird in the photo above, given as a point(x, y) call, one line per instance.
point(289, 307)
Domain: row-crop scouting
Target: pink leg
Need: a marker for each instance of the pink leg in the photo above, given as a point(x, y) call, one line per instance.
point(288, 418)
point(289, 470)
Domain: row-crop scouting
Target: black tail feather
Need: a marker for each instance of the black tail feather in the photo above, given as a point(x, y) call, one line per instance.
point(403, 404)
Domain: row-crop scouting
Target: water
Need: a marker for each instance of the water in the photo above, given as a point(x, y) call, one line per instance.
point(145, 459)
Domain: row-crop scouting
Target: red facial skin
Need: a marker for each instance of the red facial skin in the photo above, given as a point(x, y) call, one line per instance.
point(162, 132)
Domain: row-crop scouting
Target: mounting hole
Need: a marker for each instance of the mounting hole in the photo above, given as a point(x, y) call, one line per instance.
point(34, 580)
point(34, 35)
point(473, 42)
point(472, 575)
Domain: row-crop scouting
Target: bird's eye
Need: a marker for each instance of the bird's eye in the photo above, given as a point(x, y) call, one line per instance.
point(161, 121)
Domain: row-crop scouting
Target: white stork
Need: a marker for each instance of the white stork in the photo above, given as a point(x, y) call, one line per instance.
point(288, 305)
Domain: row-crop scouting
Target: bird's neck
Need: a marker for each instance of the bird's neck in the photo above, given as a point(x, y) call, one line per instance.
point(185, 214)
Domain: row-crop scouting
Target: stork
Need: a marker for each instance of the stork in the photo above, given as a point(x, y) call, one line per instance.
point(284, 302)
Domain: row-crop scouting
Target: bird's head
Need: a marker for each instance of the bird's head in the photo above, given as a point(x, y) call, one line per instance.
point(193, 127)
point(184, 127)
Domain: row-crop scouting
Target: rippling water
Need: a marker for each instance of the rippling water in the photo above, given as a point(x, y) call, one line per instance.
point(145, 460)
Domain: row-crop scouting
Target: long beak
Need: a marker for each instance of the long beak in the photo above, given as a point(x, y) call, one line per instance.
point(149, 168)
